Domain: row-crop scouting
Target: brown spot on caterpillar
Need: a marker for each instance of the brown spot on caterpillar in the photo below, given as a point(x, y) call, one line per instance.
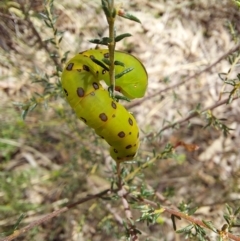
point(113, 116)
point(121, 134)
point(97, 72)
point(91, 57)
point(102, 137)
point(130, 121)
point(80, 92)
point(70, 66)
point(130, 133)
point(137, 134)
point(92, 94)
point(114, 106)
point(131, 155)
point(85, 67)
point(103, 117)
point(106, 55)
point(115, 150)
point(79, 70)
point(104, 71)
point(95, 85)
point(83, 119)
point(118, 88)
point(65, 91)
point(128, 147)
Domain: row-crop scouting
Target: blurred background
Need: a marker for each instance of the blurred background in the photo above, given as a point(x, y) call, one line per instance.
point(51, 158)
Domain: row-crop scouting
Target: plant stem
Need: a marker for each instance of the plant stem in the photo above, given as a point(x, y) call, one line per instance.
point(119, 175)
point(111, 45)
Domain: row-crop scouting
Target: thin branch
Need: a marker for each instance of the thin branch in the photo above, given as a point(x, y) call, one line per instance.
point(111, 45)
point(188, 218)
point(213, 106)
point(131, 227)
point(122, 192)
point(136, 103)
point(48, 217)
point(39, 39)
point(10, 17)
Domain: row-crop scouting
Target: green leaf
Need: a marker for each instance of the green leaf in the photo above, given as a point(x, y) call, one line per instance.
point(116, 62)
point(94, 41)
point(103, 41)
point(42, 15)
point(48, 24)
point(229, 209)
point(98, 62)
point(64, 58)
point(222, 76)
point(111, 91)
point(192, 210)
point(123, 73)
point(116, 97)
point(105, 8)
point(120, 97)
point(122, 36)
point(114, 13)
point(49, 40)
point(185, 229)
point(21, 217)
point(24, 114)
point(33, 107)
point(129, 16)
point(60, 39)
point(236, 212)
point(210, 225)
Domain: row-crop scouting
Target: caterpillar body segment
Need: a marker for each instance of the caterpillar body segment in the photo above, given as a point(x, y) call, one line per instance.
point(93, 105)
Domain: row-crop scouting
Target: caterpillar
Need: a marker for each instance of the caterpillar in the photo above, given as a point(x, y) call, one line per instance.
point(93, 105)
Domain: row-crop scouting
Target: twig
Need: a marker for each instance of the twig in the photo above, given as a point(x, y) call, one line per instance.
point(39, 39)
point(119, 175)
point(21, 231)
point(136, 103)
point(188, 218)
point(213, 106)
point(110, 13)
point(122, 192)
point(196, 221)
point(131, 227)
point(10, 17)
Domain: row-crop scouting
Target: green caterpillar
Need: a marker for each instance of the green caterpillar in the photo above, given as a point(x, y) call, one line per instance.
point(93, 105)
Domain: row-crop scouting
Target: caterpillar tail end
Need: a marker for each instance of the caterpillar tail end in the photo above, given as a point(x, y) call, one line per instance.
point(119, 158)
